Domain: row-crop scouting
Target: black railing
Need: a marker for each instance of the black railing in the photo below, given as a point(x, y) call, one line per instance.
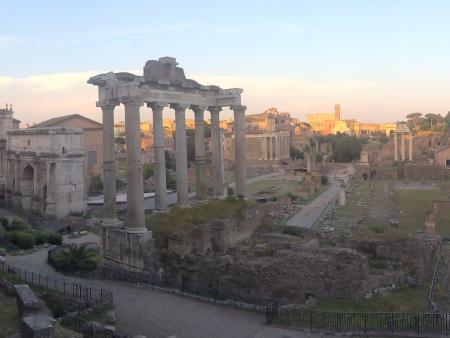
point(90, 297)
point(217, 295)
point(418, 324)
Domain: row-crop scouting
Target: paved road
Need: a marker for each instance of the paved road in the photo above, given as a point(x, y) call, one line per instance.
point(158, 314)
point(310, 213)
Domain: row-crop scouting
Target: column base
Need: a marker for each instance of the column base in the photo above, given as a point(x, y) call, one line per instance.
point(111, 223)
point(160, 211)
point(126, 247)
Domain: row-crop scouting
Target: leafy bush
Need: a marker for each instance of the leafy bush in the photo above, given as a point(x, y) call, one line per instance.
point(4, 221)
point(378, 228)
point(18, 224)
point(40, 237)
point(324, 180)
point(54, 238)
point(23, 240)
point(77, 258)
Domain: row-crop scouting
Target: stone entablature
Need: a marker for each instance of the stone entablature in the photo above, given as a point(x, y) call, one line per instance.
point(45, 169)
point(54, 141)
point(165, 83)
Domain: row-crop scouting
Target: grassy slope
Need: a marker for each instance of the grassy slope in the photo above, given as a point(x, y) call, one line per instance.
point(9, 316)
point(401, 300)
point(414, 205)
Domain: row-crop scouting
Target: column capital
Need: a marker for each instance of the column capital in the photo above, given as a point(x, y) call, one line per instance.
point(156, 105)
point(132, 100)
point(214, 109)
point(238, 108)
point(179, 106)
point(197, 109)
point(109, 104)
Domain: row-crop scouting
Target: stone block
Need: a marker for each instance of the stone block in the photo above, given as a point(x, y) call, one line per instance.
point(125, 246)
point(38, 326)
point(28, 303)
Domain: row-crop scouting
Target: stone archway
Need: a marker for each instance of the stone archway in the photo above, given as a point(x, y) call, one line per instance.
point(27, 186)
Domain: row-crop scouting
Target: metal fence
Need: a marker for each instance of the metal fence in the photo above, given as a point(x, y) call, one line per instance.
point(217, 295)
point(90, 297)
point(418, 324)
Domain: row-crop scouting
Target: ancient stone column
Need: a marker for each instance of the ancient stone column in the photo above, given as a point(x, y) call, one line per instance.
point(109, 167)
point(410, 147)
point(135, 179)
point(50, 204)
point(17, 176)
point(159, 157)
point(181, 155)
point(216, 151)
point(270, 148)
point(308, 162)
point(342, 198)
point(35, 179)
point(402, 135)
point(395, 147)
point(200, 157)
point(240, 161)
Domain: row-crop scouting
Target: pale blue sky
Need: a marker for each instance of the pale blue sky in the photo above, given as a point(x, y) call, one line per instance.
point(379, 59)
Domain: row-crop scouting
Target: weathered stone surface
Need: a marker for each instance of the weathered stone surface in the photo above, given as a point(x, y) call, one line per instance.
point(38, 326)
point(28, 303)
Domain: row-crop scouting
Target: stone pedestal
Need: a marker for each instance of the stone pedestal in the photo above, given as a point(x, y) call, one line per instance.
point(125, 248)
point(38, 326)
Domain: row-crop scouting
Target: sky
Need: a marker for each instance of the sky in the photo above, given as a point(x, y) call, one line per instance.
point(381, 60)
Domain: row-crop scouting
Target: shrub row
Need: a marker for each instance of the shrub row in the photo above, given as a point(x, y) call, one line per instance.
point(21, 234)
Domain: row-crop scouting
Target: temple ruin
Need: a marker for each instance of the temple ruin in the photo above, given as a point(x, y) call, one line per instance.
point(162, 85)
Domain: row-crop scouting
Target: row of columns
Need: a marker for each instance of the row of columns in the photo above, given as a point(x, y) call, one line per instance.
point(135, 193)
point(403, 150)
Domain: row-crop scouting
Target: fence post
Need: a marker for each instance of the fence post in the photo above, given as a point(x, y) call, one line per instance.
point(417, 324)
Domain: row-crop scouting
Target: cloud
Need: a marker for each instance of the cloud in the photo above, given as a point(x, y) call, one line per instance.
point(40, 97)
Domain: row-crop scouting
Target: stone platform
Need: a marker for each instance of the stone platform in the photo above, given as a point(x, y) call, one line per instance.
point(126, 248)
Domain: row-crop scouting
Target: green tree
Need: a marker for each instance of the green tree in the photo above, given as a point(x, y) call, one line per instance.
point(296, 154)
point(345, 148)
point(96, 186)
point(76, 258)
point(148, 171)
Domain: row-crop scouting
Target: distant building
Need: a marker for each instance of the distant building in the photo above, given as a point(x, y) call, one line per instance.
point(92, 141)
point(7, 122)
point(442, 156)
point(45, 170)
point(264, 145)
point(323, 123)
